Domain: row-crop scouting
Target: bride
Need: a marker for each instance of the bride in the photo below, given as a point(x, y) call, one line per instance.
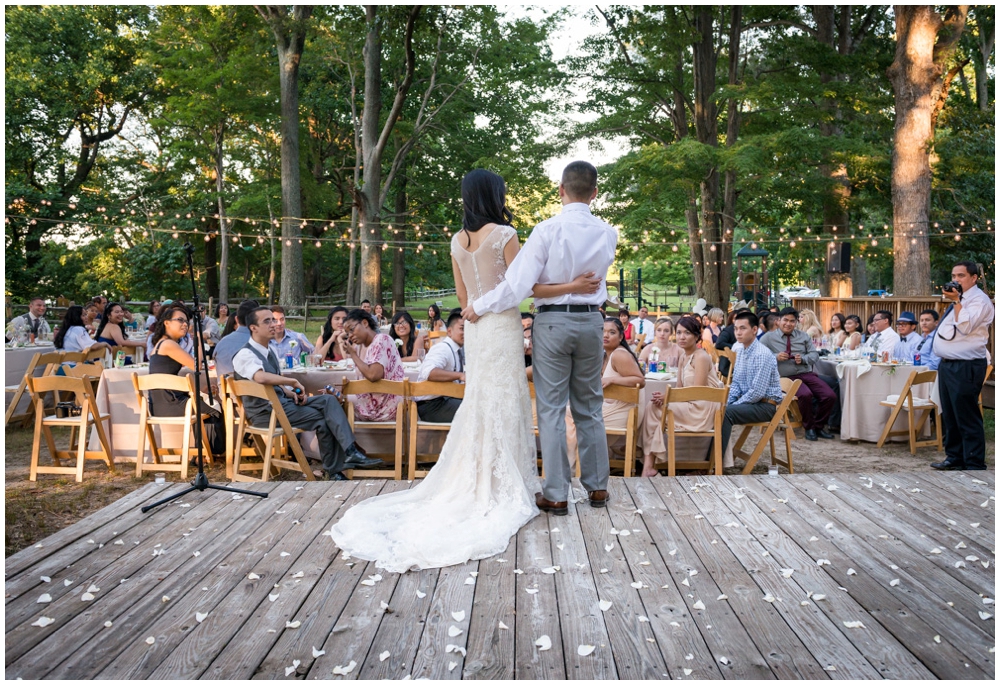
point(482, 489)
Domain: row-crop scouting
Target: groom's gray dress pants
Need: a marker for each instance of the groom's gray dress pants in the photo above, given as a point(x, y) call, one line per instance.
point(567, 354)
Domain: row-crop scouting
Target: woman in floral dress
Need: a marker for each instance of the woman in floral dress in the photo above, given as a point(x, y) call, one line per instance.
point(381, 362)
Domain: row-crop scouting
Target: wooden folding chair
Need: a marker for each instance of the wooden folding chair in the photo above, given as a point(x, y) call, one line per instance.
point(791, 420)
point(631, 430)
point(147, 422)
point(731, 356)
point(82, 389)
point(398, 426)
point(279, 434)
point(767, 431)
point(917, 412)
point(693, 394)
point(230, 420)
point(413, 390)
point(48, 362)
point(640, 342)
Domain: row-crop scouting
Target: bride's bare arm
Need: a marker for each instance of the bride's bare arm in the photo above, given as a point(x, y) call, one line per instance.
point(460, 290)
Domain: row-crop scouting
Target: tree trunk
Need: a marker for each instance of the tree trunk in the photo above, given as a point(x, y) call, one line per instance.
point(272, 273)
point(706, 114)
point(986, 27)
point(370, 226)
point(725, 250)
point(212, 268)
point(223, 293)
point(290, 35)
point(398, 254)
point(924, 44)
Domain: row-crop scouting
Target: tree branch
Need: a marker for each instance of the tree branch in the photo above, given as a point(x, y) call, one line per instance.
point(943, 96)
point(404, 87)
point(781, 22)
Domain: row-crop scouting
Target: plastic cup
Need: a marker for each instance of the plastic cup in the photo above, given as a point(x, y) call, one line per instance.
point(772, 470)
point(159, 478)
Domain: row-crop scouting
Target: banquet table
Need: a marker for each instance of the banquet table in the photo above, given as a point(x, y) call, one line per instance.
point(861, 390)
point(16, 361)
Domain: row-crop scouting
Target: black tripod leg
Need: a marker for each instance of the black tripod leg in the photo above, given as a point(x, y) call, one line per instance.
point(225, 488)
point(168, 499)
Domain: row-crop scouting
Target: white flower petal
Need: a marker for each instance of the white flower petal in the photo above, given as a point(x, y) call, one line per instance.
point(344, 670)
point(699, 605)
point(688, 671)
point(643, 619)
point(458, 615)
point(604, 604)
point(769, 597)
point(87, 597)
point(721, 597)
point(253, 576)
point(43, 621)
point(724, 660)
point(608, 548)
point(383, 656)
point(274, 596)
point(686, 582)
point(44, 599)
point(787, 572)
point(544, 643)
point(985, 616)
point(550, 570)
point(585, 650)
point(299, 574)
point(937, 639)
point(455, 648)
point(637, 584)
point(454, 631)
point(452, 665)
point(503, 626)
point(293, 624)
point(150, 640)
point(531, 590)
point(851, 572)
point(853, 624)
point(894, 582)
point(819, 597)
point(421, 595)
point(470, 581)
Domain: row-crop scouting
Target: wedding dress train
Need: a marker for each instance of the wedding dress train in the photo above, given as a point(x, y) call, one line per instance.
point(481, 491)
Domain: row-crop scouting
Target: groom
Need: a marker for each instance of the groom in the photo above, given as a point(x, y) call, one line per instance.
point(567, 335)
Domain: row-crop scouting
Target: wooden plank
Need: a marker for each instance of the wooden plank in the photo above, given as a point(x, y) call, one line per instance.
point(427, 655)
point(134, 606)
point(659, 498)
point(885, 553)
point(634, 656)
point(875, 643)
point(916, 530)
point(784, 651)
point(580, 618)
point(86, 557)
point(318, 613)
point(358, 623)
point(536, 613)
point(669, 621)
point(23, 560)
point(765, 552)
point(74, 617)
point(229, 606)
point(910, 611)
point(491, 649)
point(944, 485)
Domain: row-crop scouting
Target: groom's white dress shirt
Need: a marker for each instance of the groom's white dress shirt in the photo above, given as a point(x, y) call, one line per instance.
point(558, 250)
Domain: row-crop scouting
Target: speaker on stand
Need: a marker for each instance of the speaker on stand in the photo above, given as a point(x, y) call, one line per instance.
point(838, 258)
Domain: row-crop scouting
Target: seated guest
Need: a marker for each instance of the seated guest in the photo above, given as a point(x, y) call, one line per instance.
point(713, 327)
point(885, 339)
point(768, 322)
point(334, 326)
point(527, 324)
point(321, 413)
point(852, 327)
point(925, 348)
point(445, 363)
point(230, 325)
point(809, 324)
point(627, 327)
point(796, 357)
point(434, 322)
point(209, 328)
point(727, 338)
point(755, 390)
point(696, 369)
point(109, 330)
point(168, 357)
point(154, 309)
point(837, 333)
point(230, 344)
point(100, 302)
point(404, 334)
point(660, 348)
point(381, 362)
point(222, 315)
point(870, 328)
point(906, 326)
point(34, 320)
point(286, 341)
point(72, 335)
point(620, 368)
point(379, 313)
point(643, 326)
point(366, 305)
point(91, 317)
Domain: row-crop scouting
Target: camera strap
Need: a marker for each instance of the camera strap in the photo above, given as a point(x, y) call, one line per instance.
point(954, 326)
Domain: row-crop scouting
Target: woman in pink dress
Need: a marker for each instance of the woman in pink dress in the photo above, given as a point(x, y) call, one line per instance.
point(381, 362)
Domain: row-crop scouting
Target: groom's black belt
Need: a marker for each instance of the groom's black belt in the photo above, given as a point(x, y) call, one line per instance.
point(571, 308)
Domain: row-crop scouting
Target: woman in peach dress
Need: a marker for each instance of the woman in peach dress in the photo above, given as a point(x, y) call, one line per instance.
point(696, 369)
point(661, 349)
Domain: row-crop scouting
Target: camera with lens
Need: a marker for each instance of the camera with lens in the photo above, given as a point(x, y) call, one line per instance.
point(952, 286)
point(65, 410)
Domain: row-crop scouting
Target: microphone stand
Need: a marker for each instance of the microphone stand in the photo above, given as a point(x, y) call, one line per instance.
point(200, 481)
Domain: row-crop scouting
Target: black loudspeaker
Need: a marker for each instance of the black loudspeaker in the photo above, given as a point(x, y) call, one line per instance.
point(838, 258)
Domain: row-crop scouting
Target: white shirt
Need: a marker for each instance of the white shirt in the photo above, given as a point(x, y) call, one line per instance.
point(447, 356)
point(558, 250)
point(77, 339)
point(246, 363)
point(904, 348)
point(966, 337)
point(644, 326)
point(885, 341)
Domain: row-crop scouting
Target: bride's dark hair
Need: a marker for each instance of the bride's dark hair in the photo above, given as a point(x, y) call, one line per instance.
point(484, 201)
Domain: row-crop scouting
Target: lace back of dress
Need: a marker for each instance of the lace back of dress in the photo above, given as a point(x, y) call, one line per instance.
point(484, 269)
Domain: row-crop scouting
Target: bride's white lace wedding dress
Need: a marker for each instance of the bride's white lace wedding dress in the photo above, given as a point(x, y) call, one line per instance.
point(481, 491)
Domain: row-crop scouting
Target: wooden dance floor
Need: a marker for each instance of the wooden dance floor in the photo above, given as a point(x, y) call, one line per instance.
point(804, 576)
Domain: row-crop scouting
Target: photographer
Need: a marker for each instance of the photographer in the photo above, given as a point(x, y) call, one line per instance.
point(961, 342)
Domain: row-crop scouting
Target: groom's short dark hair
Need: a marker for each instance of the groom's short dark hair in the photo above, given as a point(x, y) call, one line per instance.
point(580, 180)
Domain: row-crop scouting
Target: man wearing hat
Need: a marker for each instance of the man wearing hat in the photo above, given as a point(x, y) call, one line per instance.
point(906, 326)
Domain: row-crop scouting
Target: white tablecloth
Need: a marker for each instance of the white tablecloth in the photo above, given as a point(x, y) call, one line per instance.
point(16, 362)
point(863, 418)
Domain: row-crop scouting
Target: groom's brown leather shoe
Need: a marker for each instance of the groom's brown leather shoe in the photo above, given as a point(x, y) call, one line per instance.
point(599, 498)
point(555, 508)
